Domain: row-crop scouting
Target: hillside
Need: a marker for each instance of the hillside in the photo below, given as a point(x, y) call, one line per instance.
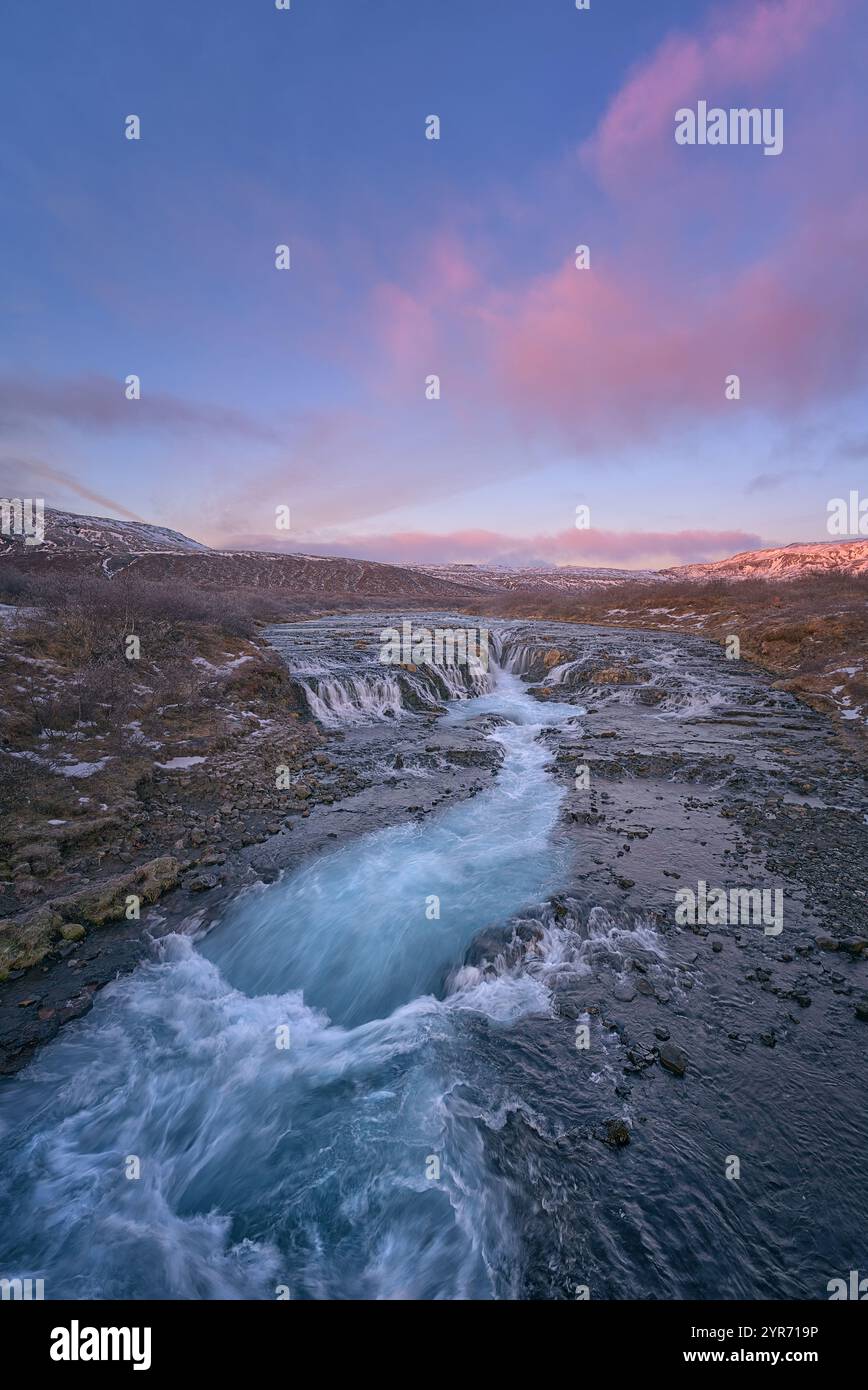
point(537, 579)
point(797, 561)
point(87, 545)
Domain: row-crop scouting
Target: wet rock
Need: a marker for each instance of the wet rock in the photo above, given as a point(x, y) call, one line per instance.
point(72, 931)
point(861, 1010)
point(615, 1134)
point(201, 883)
point(855, 945)
point(640, 1057)
point(616, 675)
point(673, 1058)
point(662, 1034)
point(624, 991)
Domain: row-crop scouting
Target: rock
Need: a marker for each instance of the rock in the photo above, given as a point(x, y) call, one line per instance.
point(856, 945)
point(624, 991)
point(72, 931)
point(673, 1058)
point(616, 1134)
point(768, 1039)
point(615, 675)
point(106, 901)
point(200, 883)
point(862, 1010)
point(662, 1034)
point(24, 940)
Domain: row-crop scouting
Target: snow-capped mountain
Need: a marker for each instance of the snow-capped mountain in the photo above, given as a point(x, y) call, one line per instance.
point(67, 531)
point(795, 561)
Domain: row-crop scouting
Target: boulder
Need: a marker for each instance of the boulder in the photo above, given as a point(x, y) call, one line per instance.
point(673, 1058)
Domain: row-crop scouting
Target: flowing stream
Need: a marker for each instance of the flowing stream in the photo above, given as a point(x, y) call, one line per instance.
point(410, 1065)
point(347, 1163)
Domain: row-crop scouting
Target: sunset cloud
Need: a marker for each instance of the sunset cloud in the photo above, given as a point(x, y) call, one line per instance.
point(740, 46)
point(632, 549)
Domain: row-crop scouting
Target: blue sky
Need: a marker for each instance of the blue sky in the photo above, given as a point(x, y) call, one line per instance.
point(454, 257)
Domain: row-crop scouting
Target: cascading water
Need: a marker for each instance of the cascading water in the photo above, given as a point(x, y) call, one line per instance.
point(350, 1163)
point(340, 1093)
point(351, 686)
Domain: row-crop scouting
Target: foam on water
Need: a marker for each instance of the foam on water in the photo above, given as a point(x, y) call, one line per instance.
point(306, 1166)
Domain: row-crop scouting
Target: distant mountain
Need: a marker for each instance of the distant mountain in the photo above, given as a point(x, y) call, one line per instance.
point(795, 561)
point(563, 578)
point(84, 544)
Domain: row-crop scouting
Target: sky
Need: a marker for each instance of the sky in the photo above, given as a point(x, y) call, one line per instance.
point(410, 258)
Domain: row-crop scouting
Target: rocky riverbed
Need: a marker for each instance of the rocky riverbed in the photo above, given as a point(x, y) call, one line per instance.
point(685, 1046)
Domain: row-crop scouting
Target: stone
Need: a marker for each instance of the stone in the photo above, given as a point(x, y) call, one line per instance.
point(616, 1134)
point(201, 883)
point(673, 1058)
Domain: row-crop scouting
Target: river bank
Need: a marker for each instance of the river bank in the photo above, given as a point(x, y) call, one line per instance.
point(654, 764)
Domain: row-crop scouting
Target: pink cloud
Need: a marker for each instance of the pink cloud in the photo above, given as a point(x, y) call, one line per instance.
point(739, 46)
point(633, 549)
point(602, 352)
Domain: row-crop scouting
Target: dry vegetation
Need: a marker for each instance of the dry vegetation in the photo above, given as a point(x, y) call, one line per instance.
point(84, 731)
